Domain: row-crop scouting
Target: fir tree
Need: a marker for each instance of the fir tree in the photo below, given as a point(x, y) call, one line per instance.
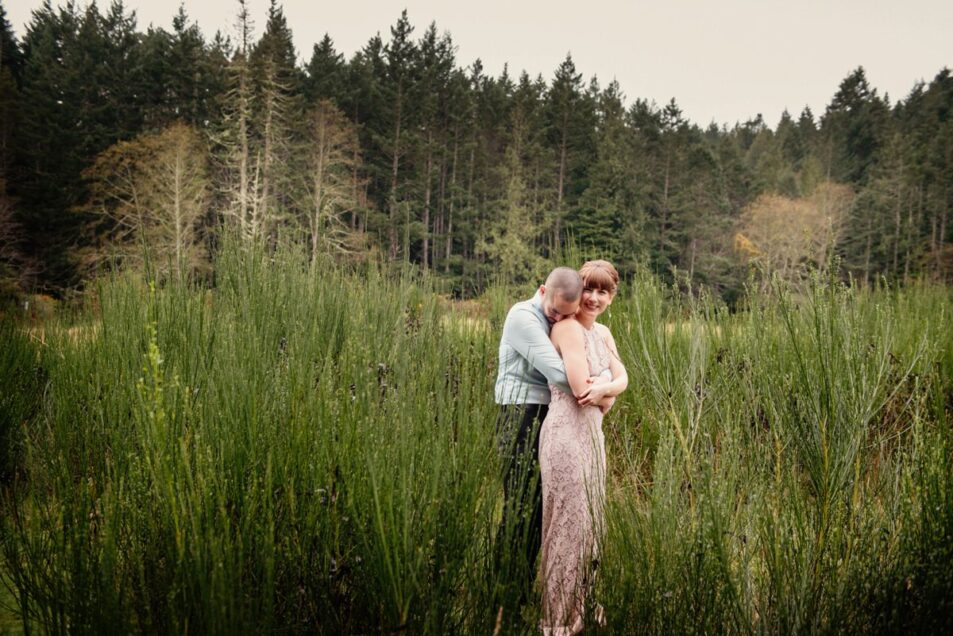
point(326, 74)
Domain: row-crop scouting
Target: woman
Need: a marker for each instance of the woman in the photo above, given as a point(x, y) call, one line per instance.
point(572, 454)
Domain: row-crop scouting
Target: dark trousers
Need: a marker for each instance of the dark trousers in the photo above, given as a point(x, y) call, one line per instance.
point(521, 528)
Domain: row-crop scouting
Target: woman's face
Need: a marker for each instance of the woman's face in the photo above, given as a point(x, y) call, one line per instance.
point(594, 301)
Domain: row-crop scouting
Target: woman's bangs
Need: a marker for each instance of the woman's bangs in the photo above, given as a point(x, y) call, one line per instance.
point(598, 278)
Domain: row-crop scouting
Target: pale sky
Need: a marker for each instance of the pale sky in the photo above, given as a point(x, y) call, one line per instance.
point(722, 61)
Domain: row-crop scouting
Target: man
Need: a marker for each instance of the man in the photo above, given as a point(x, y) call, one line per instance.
point(528, 364)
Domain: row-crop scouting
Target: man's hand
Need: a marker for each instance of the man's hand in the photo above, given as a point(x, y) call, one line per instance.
point(596, 393)
point(597, 379)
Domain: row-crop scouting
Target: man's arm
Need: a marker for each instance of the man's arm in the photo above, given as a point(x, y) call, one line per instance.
point(527, 337)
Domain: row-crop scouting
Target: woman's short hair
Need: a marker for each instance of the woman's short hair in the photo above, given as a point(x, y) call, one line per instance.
point(599, 275)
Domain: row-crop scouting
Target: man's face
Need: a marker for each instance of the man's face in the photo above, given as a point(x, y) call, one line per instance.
point(556, 307)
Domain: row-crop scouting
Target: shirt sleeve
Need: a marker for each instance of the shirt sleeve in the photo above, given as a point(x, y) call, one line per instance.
point(528, 338)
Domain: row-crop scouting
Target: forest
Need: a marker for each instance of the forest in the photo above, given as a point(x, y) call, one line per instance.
point(118, 144)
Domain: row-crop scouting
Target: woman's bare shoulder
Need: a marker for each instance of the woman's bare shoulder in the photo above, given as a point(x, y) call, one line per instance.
point(566, 327)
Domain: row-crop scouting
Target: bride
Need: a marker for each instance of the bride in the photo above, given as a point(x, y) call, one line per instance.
point(572, 454)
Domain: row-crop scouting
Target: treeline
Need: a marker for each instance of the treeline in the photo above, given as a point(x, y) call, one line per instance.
point(114, 140)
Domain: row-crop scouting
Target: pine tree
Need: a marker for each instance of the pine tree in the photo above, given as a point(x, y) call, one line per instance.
point(13, 267)
point(510, 244)
point(277, 108)
point(10, 68)
point(461, 116)
point(564, 102)
point(363, 102)
point(326, 74)
point(184, 78)
point(398, 87)
point(852, 129)
point(609, 220)
point(672, 150)
point(48, 146)
point(435, 64)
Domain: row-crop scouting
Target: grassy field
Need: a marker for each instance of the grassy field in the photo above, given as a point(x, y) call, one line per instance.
point(302, 449)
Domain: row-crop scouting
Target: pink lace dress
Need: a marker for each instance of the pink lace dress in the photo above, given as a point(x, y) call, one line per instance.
point(572, 459)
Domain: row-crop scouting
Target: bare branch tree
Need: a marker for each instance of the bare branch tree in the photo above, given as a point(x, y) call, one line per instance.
point(789, 236)
point(332, 160)
point(149, 195)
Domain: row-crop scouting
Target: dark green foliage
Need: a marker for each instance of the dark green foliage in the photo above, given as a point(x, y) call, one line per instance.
point(22, 380)
point(326, 73)
point(11, 57)
point(637, 183)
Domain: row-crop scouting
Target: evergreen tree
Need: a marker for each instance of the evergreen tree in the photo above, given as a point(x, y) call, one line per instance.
point(672, 151)
point(11, 57)
point(398, 88)
point(48, 145)
point(564, 101)
point(435, 65)
point(276, 114)
point(494, 117)
point(13, 267)
point(184, 77)
point(852, 129)
point(10, 68)
point(461, 129)
point(510, 244)
point(454, 170)
point(326, 74)
point(610, 219)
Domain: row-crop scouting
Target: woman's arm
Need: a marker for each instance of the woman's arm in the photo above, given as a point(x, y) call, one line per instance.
point(620, 379)
point(568, 339)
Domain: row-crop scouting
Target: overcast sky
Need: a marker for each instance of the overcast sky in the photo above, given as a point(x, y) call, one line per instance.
point(722, 60)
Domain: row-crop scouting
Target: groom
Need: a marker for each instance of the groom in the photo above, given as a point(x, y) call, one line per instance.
point(528, 364)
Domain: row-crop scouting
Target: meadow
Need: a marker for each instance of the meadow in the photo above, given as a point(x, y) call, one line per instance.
point(306, 448)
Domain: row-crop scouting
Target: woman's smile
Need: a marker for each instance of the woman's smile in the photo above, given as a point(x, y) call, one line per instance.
point(595, 301)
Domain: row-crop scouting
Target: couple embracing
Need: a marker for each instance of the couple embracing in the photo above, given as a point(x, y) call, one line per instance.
point(559, 372)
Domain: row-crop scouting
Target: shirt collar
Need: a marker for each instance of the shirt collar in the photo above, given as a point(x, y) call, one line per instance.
point(537, 302)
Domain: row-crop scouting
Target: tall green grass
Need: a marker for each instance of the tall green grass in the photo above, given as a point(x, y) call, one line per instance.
point(306, 449)
point(790, 458)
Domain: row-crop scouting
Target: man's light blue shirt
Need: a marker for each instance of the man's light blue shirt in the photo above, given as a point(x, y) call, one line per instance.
point(529, 362)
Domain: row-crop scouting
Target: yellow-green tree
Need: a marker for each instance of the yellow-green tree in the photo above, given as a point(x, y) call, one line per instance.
point(332, 185)
point(148, 197)
point(790, 236)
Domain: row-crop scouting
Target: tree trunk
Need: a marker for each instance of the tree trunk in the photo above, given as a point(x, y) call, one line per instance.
point(663, 221)
point(395, 165)
point(448, 247)
point(243, 157)
point(870, 239)
point(441, 226)
point(896, 235)
point(179, 228)
point(557, 229)
point(941, 237)
point(428, 187)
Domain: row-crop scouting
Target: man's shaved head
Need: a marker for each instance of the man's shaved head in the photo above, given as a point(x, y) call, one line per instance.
point(565, 282)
